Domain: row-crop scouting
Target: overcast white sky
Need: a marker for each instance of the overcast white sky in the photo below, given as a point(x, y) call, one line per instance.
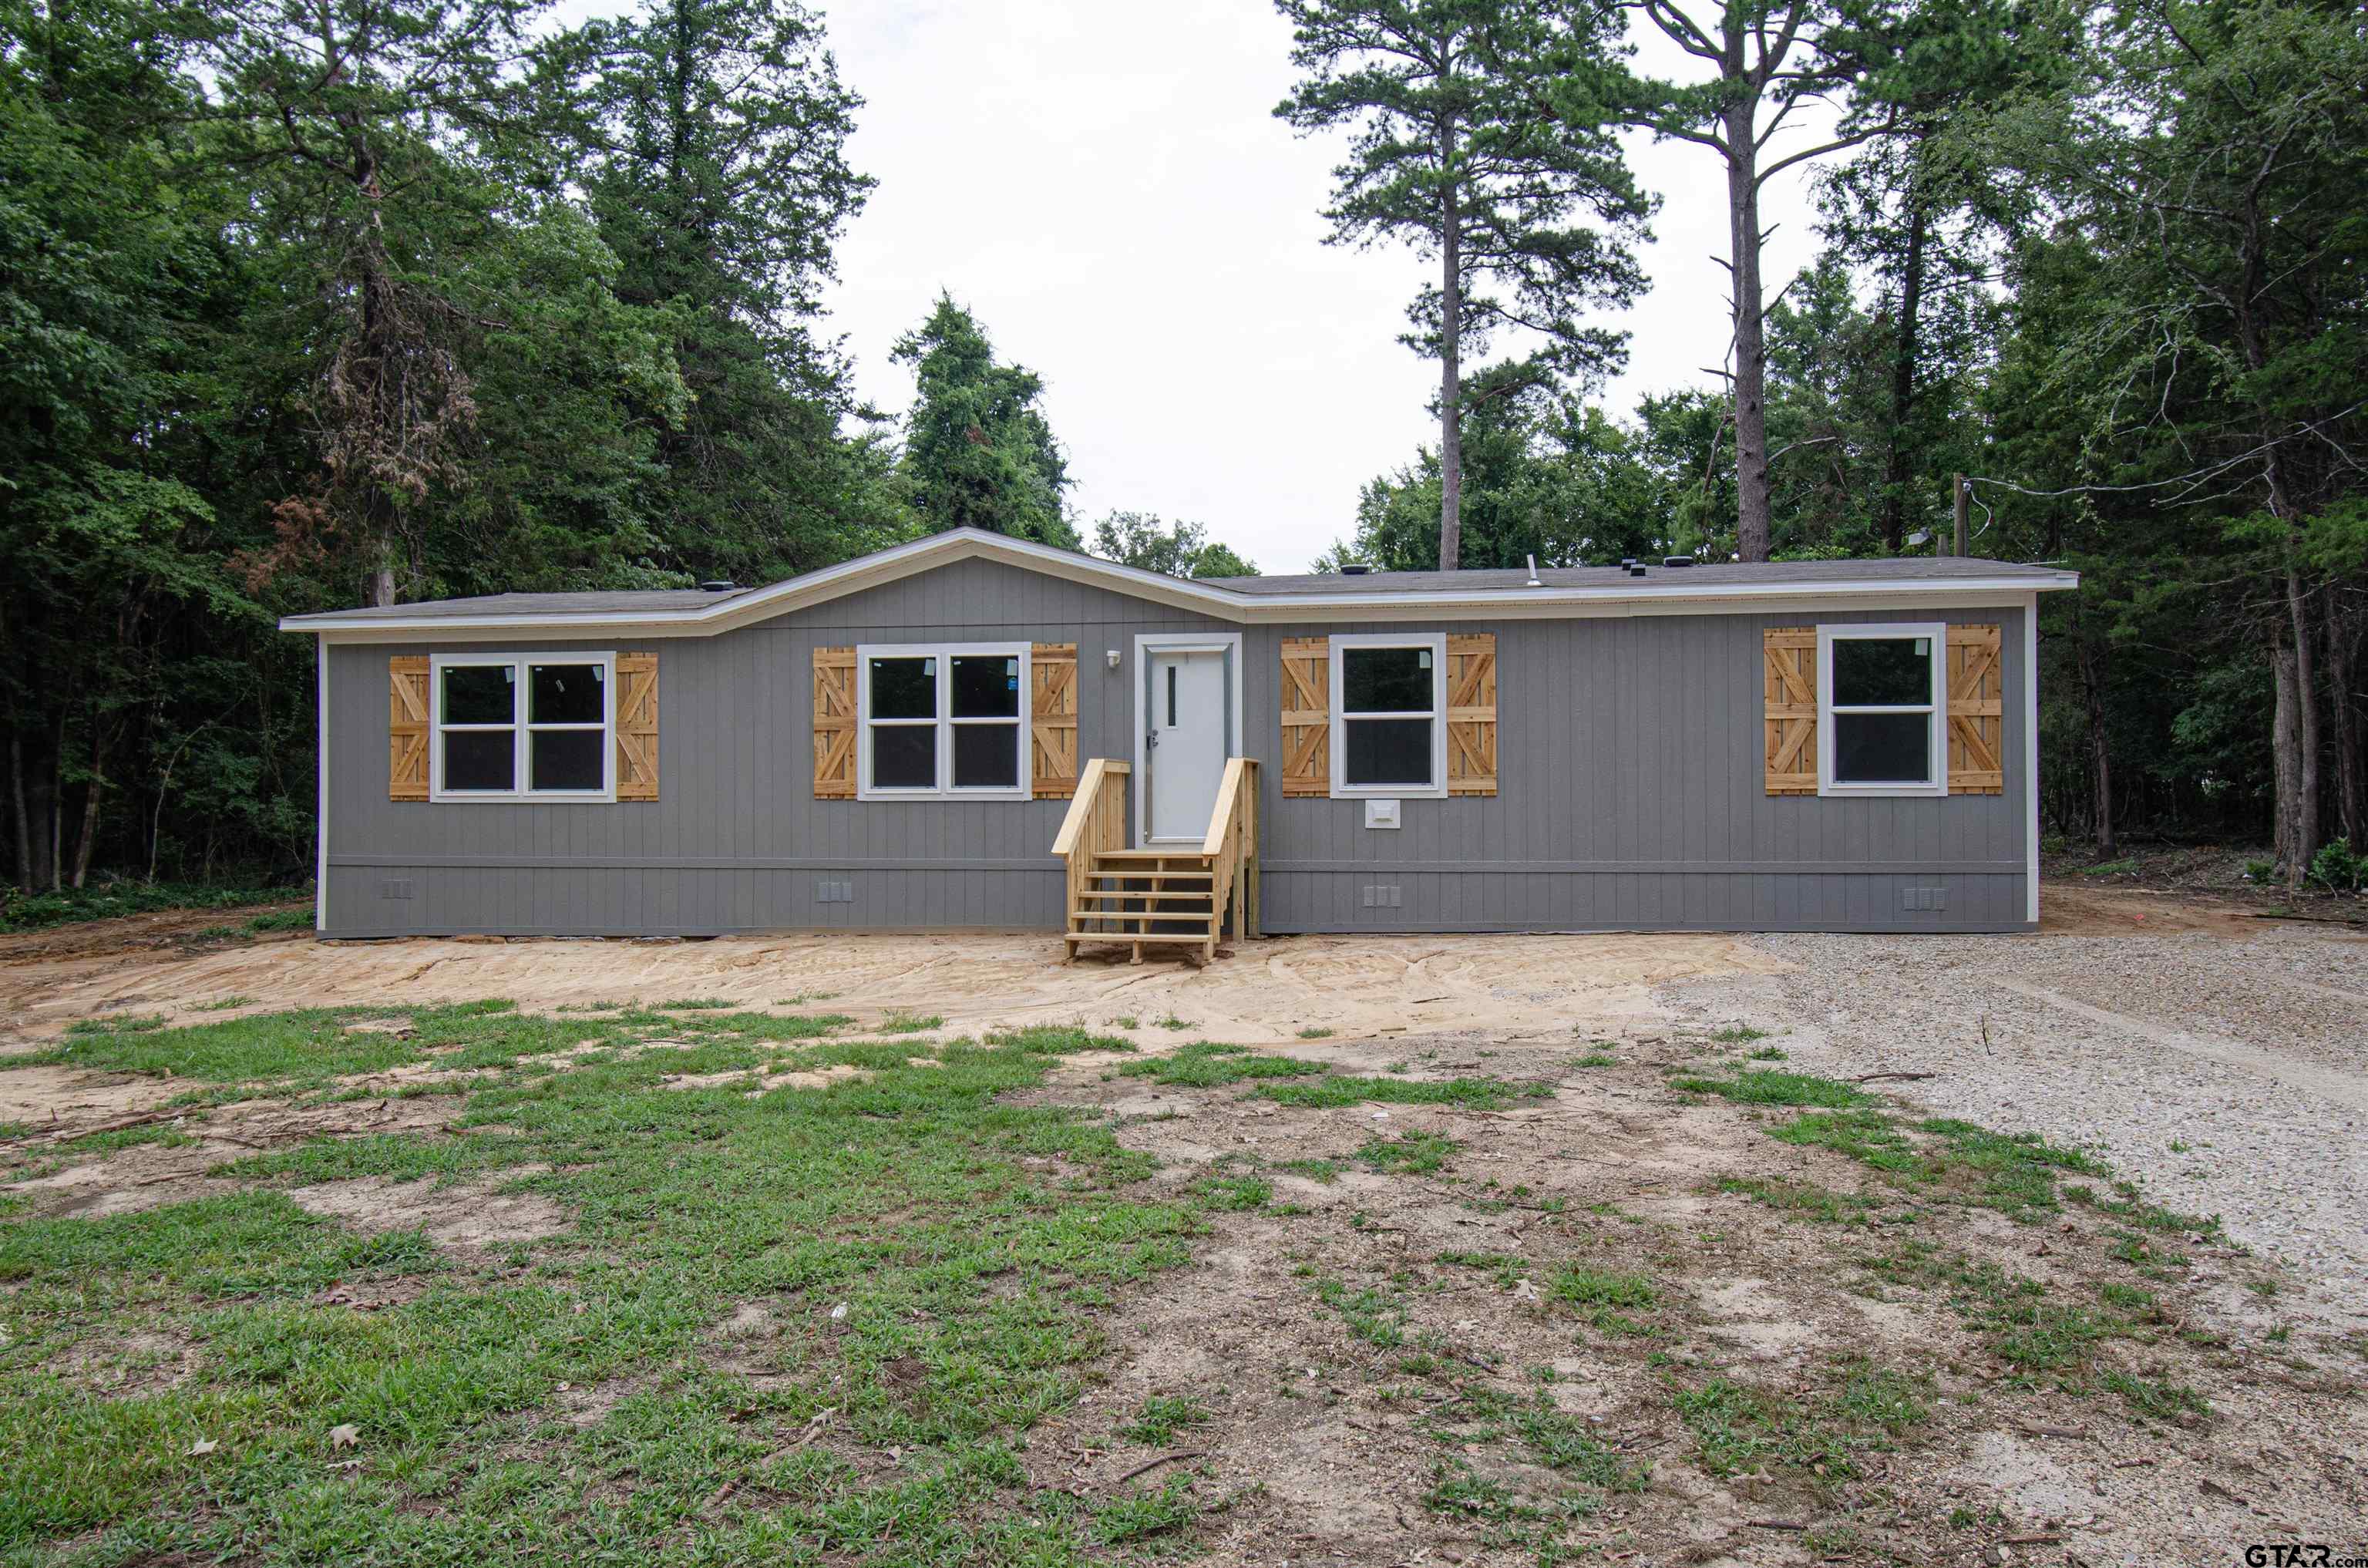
point(1106, 187)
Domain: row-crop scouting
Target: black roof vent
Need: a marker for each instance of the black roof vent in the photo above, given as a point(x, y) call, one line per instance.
point(1354, 571)
point(720, 585)
point(1677, 560)
point(1626, 561)
point(1635, 571)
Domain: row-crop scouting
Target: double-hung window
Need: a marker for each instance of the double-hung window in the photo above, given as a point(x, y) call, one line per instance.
point(943, 720)
point(1882, 725)
point(523, 726)
point(1389, 715)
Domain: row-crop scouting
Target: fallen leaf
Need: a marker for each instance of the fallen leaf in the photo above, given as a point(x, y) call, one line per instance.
point(202, 1445)
point(346, 1437)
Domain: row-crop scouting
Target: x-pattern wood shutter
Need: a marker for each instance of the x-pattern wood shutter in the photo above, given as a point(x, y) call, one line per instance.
point(1790, 654)
point(1052, 720)
point(1472, 714)
point(637, 726)
point(406, 727)
point(1976, 711)
point(1306, 716)
point(834, 724)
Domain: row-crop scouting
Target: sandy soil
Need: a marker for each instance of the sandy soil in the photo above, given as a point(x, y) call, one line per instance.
point(1267, 991)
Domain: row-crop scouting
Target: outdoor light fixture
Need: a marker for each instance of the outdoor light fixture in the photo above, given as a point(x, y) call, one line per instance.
point(1112, 654)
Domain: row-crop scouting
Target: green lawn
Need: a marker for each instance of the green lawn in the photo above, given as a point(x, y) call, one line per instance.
point(934, 1295)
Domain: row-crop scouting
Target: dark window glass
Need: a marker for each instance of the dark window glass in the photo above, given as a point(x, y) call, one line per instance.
point(1388, 751)
point(1171, 697)
point(480, 759)
point(1882, 672)
point(987, 755)
point(564, 694)
point(904, 689)
point(905, 756)
point(1385, 680)
point(479, 694)
point(987, 687)
point(565, 759)
point(1883, 749)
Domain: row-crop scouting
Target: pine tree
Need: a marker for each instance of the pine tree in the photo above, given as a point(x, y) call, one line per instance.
point(1527, 219)
point(978, 452)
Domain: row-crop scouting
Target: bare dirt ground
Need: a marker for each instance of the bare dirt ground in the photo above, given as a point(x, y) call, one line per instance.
point(1324, 1441)
point(1267, 991)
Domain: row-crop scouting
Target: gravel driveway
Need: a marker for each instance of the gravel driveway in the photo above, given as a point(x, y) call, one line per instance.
point(2229, 1074)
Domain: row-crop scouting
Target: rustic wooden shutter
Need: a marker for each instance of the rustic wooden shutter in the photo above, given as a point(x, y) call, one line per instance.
point(1052, 720)
point(834, 724)
point(406, 727)
point(1472, 714)
point(1976, 711)
point(1791, 714)
point(637, 726)
point(1307, 716)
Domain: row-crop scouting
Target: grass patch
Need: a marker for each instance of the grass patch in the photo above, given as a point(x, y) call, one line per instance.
point(1338, 1089)
point(1371, 1314)
point(1203, 1065)
point(1315, 1034)
point(1596, 1059)
point(1774, 1086)
point(1604, 1298)
point(1738, 1427)
point(1738, 1034)
point(911, 1023)
point(1325, 1171)
point(68, 906)
point(943, 1262)
point(1161, 1418)
point(1821, 1204)
point(1409, 1153)
point(1233, 1194)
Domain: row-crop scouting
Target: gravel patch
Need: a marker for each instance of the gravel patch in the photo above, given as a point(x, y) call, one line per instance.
point(2229, 1077)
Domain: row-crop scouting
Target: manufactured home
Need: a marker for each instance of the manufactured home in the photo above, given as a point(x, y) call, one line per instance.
point(971, 731)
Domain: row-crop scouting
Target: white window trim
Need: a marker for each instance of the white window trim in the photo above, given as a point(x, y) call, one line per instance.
point(521, 729)
point(1147, 644)
point(1938, 752)
point(1435, 641)
point(944, 723)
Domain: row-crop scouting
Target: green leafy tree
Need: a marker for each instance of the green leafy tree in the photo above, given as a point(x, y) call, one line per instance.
point(978, 452)
point(1140, 539)
point(1528, 219)
point(709, 139)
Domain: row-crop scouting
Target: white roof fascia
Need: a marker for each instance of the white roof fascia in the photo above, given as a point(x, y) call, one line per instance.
point(1661, 597)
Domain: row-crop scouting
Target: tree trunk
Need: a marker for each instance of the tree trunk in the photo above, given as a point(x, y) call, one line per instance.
point(2305, 742)
point(1903, 376)
point(1450, 365)
point(2283, 726)
point(1754, 507)
point(24, 818)
point(91, 792)
point(2343, 636)
point(2100, 762)
point(382, 586)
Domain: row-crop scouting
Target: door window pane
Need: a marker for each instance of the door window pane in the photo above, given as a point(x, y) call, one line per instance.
point(1883, 749)
point(986, 757)
point(565, 759)
point(566, 694)
point(905, 756)
point(904, 689)
point(479, 694)
point(1388, 751)
point(480, 759)
point(1882, 672)
point(985, 687)
point(1385, 680)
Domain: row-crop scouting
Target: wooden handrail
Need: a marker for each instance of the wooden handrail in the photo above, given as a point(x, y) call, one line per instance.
point(1239, 770)
point(1083, 805)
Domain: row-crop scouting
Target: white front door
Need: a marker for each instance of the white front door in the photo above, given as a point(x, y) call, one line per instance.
point(1184, 742)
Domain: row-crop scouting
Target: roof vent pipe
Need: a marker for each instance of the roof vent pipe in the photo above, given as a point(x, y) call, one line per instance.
point(1677, 560)
point(718, 586)
point(1353, 570)
point(1635, 570)
point(1533, 582)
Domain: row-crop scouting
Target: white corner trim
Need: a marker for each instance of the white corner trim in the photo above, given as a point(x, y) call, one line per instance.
point(1436, 644)
point(320, 765)
point(2031, 747)
point(1665, 597)
point(521, 731)
point(1936, 728)
point(1146, 644)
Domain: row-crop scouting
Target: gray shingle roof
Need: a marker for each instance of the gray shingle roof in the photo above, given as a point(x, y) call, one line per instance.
point(1906, 569)
point(625, 601)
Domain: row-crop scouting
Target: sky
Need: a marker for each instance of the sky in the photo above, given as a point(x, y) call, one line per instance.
point(1106, 187)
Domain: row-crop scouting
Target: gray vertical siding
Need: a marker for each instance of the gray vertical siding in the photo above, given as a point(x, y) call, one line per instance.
point(1629, 756)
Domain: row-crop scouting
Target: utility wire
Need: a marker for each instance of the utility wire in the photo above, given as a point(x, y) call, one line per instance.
point(2193, 477)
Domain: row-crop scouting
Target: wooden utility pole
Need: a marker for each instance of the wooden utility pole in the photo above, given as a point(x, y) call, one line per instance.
point(1960, 508)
